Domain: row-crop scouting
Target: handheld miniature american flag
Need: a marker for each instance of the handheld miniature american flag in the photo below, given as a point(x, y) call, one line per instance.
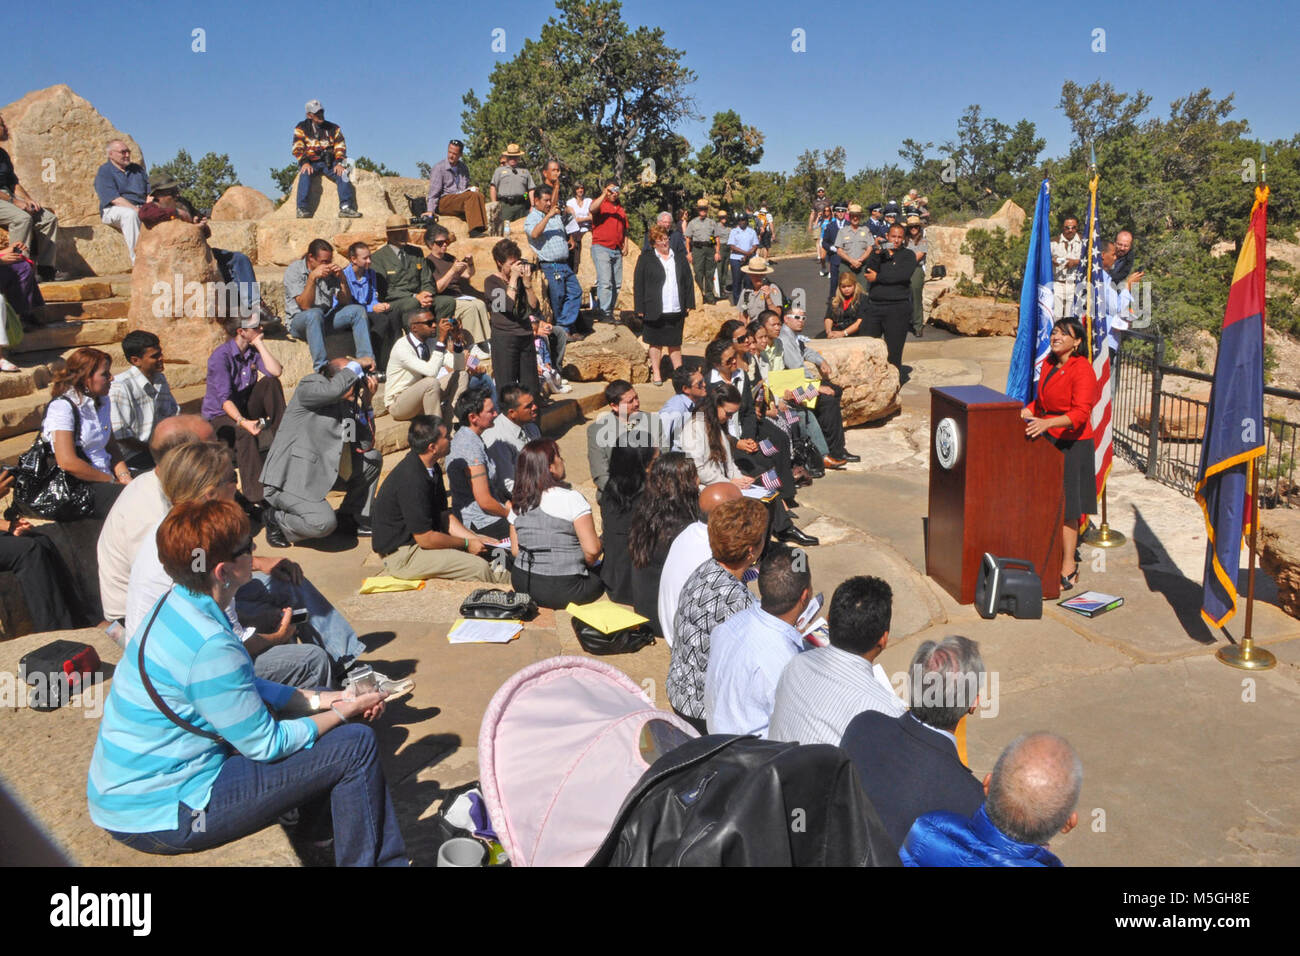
point(767, 448)
point(770, 481)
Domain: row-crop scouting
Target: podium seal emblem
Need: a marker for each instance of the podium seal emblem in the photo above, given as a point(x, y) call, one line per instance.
point(947, 446)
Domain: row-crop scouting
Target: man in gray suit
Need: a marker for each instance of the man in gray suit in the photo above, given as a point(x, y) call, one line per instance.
point(325, 442)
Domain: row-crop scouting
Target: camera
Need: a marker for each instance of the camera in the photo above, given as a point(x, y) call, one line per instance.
point(364, 680)
point(379, 376)
point(299, 615)
point(263, 422)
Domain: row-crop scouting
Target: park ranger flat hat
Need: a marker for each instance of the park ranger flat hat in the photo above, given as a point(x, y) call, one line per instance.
point(513, 150)
point(702, 204)
point(855, 208)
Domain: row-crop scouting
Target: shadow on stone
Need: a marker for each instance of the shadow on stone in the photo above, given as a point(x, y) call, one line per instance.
point(1183, 595)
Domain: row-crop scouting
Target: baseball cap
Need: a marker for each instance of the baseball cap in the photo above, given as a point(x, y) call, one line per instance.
point(313, 106)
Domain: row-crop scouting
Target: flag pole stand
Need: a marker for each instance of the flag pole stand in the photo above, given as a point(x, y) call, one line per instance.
point(1246, 656)
point(1105, 536)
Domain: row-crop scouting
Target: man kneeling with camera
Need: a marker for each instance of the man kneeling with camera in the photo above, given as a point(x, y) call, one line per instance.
point(325, 442)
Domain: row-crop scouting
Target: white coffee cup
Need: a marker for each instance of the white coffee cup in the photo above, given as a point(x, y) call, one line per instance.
point(461, 851)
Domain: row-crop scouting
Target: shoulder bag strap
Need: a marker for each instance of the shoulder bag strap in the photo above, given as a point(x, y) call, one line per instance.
point(153, 693)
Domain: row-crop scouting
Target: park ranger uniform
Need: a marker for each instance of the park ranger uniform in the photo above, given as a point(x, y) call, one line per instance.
point(854, 243)
point(702, 239)
point(513, 187)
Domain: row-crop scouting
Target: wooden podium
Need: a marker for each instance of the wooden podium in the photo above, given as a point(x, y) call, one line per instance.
point(991, 489)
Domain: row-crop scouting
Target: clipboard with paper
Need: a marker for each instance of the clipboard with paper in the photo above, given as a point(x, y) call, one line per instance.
point(792, 380)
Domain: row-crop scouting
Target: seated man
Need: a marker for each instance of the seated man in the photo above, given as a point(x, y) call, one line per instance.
point(687, 552)
point(325, 443)
point(242, 294)
point(451, 278)
point(21, 215)
point(263, 608)
point(415, 533)
point(795, 352)
point(1029, 797)
point(748, 651)
point(450, 193)
point(909, 763)
point(623, 424)
point(385, 322)
point(245, 407)
point(122, 188)
point(320, 148)
point(140, 398)
point(511, 185)
point(760, 294)
point(316, 298)
point(513, 428)
point(823, 690)
point(478, 496)
point(426, 370)
point(404, 278)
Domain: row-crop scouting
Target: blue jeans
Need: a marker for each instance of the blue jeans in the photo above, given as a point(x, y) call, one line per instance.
point(235, 267)
point(339, 778)
point(565, 292)
point(347, 195)
point(262, 600)
point(609, 276)
point(308, 323)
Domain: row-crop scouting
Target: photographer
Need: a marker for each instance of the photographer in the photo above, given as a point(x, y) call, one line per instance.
point(511, 294)
point(426, 370)
point(314, 294)
point(608, 246)
point(325, 443)
point(451, 278)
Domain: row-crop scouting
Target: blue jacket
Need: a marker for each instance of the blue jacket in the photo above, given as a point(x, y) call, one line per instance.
point(947, 839)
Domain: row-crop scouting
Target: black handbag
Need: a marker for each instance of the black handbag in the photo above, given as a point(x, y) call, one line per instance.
point(494, 604)
point(44, 490)
point(56, 671)
point(624, 641)
point(804, 453)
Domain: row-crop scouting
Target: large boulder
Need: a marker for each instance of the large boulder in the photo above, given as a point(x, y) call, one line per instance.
point(945, 250)
point(94, 250)
point(237, 235)
point(280, 241)
point(871, 384)
point(175, 288)
point(241, 202)
point(1009, 218)
point(323, 198)
point(57, 142)
point(968, 316)
point(703, 322)
point(608, 353)
point(398, 188)
point(1279, 555)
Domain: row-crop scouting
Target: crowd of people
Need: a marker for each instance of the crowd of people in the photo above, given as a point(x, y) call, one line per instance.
point(233, 700)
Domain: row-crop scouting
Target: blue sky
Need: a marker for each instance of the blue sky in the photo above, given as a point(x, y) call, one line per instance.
point(394, 80)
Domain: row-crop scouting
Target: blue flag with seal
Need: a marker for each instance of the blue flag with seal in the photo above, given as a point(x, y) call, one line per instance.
point(1035, 329)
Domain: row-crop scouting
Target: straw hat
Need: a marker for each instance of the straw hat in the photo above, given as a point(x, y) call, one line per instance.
point(757, 266)
point(855, 208)
point(396, 221)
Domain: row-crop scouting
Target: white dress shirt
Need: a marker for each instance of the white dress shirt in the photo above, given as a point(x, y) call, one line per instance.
point(672, 300)
point(688, 551)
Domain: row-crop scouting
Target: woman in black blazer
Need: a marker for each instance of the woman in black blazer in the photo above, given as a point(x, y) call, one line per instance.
point(662, 327)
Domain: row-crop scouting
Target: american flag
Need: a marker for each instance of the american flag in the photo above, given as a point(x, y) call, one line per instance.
point(1090, 304)
point(767, 448)
point(770, 481)
point(471, 363)
point(791, 417)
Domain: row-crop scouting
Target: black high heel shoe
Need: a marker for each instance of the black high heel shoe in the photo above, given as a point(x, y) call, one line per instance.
point(1068, 584)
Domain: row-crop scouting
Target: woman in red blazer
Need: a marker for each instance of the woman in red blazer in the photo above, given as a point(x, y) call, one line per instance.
point(1067, 390)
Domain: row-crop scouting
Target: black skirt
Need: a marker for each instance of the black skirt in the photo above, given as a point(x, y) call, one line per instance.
point(665, 331)
point(1080, 478)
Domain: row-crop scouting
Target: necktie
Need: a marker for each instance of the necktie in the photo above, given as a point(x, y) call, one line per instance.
point(424, 351)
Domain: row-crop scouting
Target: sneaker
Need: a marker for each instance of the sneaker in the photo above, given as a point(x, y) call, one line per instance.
point(566, 387)
point(348, 212)
point(303, 214)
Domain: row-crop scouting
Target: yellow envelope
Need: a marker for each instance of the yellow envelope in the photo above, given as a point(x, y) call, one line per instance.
point(606, 616)
point(384, 583)
point(788, 380)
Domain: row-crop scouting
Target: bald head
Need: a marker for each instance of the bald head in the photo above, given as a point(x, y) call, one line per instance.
point(715, 494)
point(1034, 787)
point(175, 431)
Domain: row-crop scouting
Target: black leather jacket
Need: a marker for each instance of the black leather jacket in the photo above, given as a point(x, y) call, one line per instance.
point(741, 801)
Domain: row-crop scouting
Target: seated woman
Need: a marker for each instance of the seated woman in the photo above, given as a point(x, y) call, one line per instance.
point(238, 399)
point(552, 534)
point(189, 756)
point(848, 309)
point(46, 583)
point(78, 425)
point(669, 502)
point(627, 477)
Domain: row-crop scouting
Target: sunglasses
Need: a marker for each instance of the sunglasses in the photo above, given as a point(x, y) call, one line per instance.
point(441, 242)
point(240, 552)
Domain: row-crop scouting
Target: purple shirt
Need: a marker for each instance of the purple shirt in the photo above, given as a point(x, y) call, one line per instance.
point(446, 180)
point(229, 371)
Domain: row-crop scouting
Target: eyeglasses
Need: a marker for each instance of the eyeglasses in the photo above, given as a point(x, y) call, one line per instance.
point(246, 549)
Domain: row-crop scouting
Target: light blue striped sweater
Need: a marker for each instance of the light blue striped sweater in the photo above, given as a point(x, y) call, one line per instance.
point(144, 765)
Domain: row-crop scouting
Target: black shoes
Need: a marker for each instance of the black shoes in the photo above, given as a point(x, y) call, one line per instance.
point(274, 533)
point(848, 457)
point(794, 536)
point(50, 274)
point(354, 524)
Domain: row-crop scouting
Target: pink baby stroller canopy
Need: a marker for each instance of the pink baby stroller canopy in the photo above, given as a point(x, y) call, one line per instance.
point(562, 744)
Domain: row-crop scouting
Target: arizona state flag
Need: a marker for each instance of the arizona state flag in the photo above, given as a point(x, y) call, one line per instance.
point(1234, 423)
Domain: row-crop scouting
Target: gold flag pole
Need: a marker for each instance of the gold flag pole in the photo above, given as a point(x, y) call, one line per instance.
point(1103, 537)
point(1246, 656)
